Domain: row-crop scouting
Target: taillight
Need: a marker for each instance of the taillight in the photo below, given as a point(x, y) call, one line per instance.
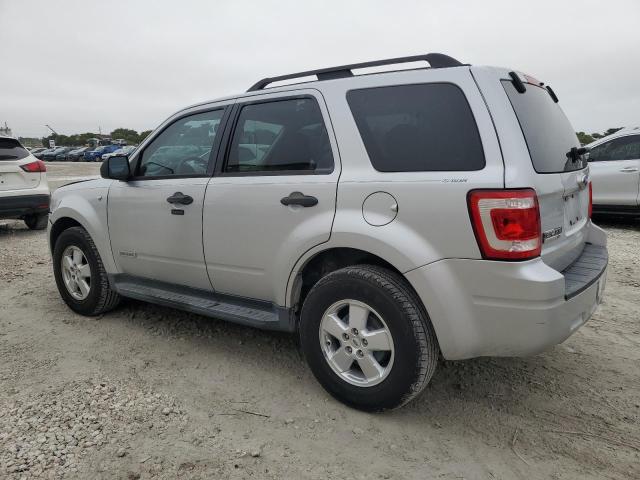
point(590, 199)
point(37, 166)
point(506, 223)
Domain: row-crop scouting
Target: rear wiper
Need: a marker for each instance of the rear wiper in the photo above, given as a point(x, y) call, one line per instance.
point(576, 152)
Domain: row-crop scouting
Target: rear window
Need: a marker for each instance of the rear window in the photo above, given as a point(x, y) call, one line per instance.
point(417, 128)
point(10, 149)
point(546, 129)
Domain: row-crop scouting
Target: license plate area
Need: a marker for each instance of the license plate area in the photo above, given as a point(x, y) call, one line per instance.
point(574, 212)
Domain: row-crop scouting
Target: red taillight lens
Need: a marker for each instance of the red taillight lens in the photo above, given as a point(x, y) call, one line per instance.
point(37, 166)
point(506, 223)
point(590, 199)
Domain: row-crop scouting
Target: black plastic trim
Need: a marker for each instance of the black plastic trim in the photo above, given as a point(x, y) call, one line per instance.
point(435, 60)
point(585, 270)
point(23, 205)
point(245, 311)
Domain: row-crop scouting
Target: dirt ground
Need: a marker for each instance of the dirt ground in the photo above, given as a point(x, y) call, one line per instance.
point(150, 392)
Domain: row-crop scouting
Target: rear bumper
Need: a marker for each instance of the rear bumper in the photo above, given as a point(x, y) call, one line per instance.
point(19, 205)
point(488, 308)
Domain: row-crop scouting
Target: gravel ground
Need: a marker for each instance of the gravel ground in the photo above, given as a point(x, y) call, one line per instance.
point(150, 392)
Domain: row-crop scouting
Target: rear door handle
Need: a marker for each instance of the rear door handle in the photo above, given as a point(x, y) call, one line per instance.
point(180, 198)
point(299, 198)
point(629, 169)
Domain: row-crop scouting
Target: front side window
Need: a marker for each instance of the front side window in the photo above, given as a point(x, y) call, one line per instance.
point(183, 148)
point(623, 148)
point(280, 136)
point(417, 128)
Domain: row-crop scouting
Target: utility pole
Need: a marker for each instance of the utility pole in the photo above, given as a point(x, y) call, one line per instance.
point(54, 132)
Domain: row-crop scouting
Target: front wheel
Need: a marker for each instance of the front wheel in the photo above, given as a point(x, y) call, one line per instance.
point(80, 275)
point(367, 338)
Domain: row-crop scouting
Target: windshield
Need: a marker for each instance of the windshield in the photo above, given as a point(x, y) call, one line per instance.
point(547, 131)
point(10, 149)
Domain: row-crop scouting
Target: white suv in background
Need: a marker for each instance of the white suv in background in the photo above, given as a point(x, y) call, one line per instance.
point(385, 218)
point(24, 192)
point(614, 162)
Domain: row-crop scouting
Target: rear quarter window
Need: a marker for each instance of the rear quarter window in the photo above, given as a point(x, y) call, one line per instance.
point(10, 149)
point(417, 128)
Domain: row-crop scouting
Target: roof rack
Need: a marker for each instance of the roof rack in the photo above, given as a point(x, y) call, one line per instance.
point(435, 60)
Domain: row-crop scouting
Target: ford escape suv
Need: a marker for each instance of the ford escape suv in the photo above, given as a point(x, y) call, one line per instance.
point(386, 218)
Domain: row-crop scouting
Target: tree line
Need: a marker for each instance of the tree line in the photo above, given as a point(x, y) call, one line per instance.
point(130, 136)
point(585, 138)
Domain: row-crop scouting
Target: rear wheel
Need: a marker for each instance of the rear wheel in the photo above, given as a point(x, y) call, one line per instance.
point(367, 338)
point(80, 275)
point(36, 221)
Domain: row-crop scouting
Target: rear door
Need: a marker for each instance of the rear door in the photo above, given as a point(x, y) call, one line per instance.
point(274, 195)
point(12, 157)
point(615, 171)
point(559, 174)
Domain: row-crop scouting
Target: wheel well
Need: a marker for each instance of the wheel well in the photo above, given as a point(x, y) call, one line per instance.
point(60, 226)
point(329, 261)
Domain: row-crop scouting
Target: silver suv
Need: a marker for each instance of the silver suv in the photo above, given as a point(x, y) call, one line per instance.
point(385, 218)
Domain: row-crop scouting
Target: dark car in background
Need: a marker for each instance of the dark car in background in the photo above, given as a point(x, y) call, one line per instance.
point(40, 155)
point(73, 155)
point(95, 155)
point(53, 154)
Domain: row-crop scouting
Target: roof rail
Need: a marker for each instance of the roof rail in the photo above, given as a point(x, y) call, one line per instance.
point(435, 60)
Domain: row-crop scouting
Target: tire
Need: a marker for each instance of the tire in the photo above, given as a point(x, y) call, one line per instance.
point(36, 221)
point(393, 307)
point(100, 297)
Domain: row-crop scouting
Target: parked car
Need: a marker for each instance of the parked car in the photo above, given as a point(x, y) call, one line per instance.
point(53, 154)
point(24, 192)
point(40, 155)
point(614, 163)
point(77, 154)
point(35, 151)
point(121, 151)
point(95, 155)
point(385, 218)
point(64, 156)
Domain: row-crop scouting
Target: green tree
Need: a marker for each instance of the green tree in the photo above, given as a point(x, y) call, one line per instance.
point(584, 138)
point(131, 136)
point(611, 131)
point(144, 134)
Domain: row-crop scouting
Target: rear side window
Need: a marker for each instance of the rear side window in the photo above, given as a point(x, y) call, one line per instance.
point(10, 149)
point(417, 128)
point(281, 136)
point(547, 131)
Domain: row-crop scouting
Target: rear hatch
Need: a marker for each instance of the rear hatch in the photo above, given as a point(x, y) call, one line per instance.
point(12, 157)
point(561, 173)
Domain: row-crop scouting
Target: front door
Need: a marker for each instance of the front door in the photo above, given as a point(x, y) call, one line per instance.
point(615, 171)
point(155, 219)
point(274, 195)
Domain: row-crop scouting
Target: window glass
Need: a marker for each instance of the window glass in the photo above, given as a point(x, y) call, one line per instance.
point(623, 148)
point(417, 128)
point(183, 148)
point(10, 149)
point(547, 131)
point(280, 136)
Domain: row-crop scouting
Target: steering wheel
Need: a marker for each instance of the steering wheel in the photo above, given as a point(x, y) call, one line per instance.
point(190, 166)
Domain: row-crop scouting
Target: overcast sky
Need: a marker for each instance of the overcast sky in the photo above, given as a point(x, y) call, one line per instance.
point(78, 65)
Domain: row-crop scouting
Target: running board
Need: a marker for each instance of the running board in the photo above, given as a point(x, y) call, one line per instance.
point(253, 313)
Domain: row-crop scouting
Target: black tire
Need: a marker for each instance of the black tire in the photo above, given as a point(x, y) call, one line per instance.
point(102, 297)
point(415, 344)
point(36, 221)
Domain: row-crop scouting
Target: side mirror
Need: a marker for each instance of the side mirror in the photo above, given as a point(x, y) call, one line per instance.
point(116, 168)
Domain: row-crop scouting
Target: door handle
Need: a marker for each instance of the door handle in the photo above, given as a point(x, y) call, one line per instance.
point(299, 198)
point(180, 198)
point(629, 169)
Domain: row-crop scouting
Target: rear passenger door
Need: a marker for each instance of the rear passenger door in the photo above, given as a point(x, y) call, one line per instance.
point(273, 195)
point(615, 171)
